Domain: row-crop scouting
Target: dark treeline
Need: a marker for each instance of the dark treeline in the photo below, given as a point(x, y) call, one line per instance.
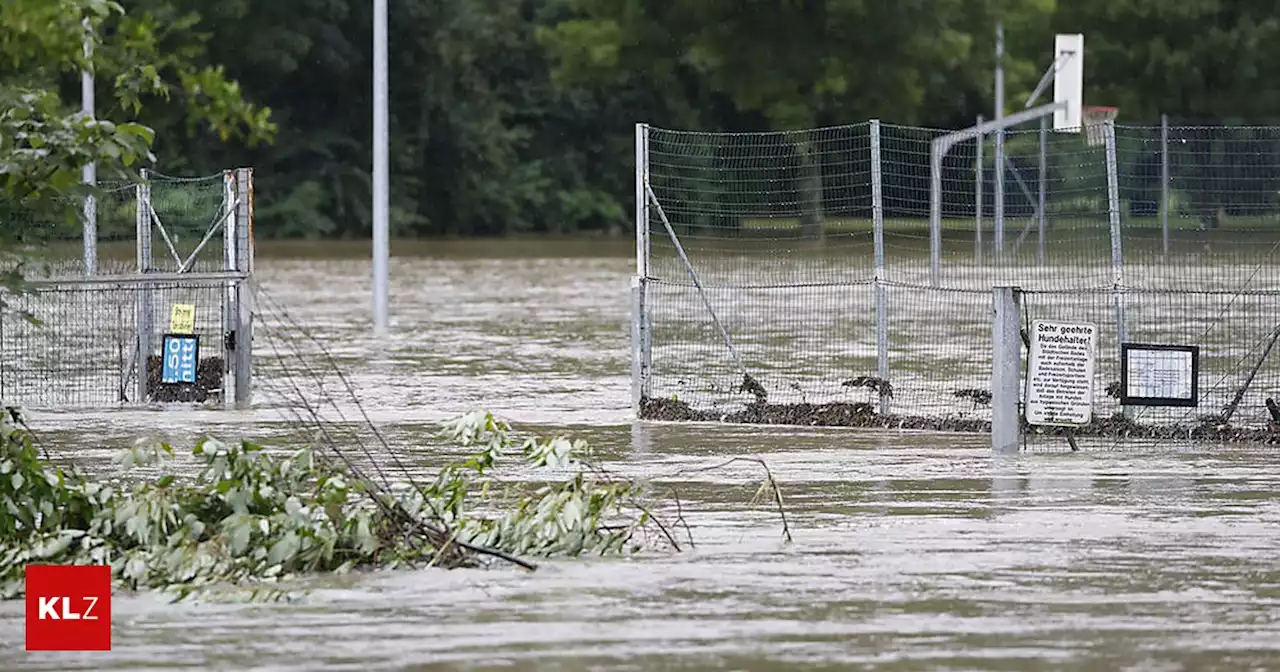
point(511, 116)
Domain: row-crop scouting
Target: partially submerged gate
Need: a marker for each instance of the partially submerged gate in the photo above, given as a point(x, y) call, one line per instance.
point(176, 326)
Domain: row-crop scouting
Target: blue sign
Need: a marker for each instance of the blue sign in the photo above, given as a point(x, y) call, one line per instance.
point(181, 353)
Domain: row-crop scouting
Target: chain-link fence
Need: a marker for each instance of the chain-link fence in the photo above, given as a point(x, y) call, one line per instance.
point(797, 277)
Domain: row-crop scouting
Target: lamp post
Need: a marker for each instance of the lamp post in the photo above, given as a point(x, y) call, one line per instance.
point(380, 181)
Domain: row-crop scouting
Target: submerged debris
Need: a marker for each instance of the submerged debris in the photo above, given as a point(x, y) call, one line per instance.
point(880, 386)
point(250, 516)
point(753, 387)
point(208, 383)
point(979, 397)
point(864, 415)
point(834, 414)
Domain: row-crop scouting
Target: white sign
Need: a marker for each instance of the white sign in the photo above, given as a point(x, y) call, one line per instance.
point(1060, 373)
point(1155, 373)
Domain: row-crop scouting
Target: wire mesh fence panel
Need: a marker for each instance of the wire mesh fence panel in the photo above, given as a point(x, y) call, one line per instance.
point(67, 346)
point(904, 161)
point(187, 218)
point(940, 356)
point(1055, 210)
point(51, 235)
point(800, 200)
point(74, 344)
point(761, 259)
point(773, 297)
point(800, 344)
point(1206, 193)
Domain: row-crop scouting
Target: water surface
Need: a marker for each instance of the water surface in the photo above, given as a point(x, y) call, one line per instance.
point(911, 551)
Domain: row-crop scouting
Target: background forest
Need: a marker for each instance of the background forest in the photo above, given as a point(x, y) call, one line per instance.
point(514, 116)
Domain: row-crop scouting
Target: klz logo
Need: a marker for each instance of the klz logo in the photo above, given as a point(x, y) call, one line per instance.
point(68, 607)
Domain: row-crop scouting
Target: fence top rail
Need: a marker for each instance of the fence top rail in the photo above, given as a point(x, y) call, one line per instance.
point(139, 279)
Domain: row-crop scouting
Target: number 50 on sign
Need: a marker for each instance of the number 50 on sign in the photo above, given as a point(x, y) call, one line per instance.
point(181, 354)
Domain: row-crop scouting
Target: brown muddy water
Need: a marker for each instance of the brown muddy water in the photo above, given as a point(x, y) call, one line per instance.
point(911, 551)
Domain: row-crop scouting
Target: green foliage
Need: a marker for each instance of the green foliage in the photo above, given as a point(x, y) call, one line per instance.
point(45, 139)
point(515, 117)
point(584, 512)
point(251, 516)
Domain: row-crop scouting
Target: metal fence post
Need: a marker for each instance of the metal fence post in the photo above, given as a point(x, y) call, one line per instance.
point(1117, 251)
point(978, 196)
point(935, 213)
point(145, 314)
point(1006, 367)
point(641, 324)
point(243, 340)
point(1043, 168)
point(879, 288)
point(1164, 182)
point(89, 172)
point(230, 316)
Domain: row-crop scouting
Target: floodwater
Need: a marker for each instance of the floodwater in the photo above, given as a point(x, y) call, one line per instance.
point(911, 550)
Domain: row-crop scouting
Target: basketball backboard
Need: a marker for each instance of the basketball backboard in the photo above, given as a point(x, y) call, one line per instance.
point(1068, 81)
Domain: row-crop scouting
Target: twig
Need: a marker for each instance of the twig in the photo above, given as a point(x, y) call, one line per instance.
point(777, 492)
point(680, 517)
point(663, 528)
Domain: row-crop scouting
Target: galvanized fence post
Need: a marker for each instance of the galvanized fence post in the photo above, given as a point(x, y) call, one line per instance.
point(230, 316)
point(641, 322)
point(145, 309)
point(879, 288)
point(243, 340)
point(1006, 367)
point(1117, 251)
point(935, 213)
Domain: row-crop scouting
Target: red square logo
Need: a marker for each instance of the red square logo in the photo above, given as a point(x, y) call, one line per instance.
point(68, 607)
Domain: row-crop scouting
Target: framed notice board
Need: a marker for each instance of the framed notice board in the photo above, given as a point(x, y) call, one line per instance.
point(1159, 375)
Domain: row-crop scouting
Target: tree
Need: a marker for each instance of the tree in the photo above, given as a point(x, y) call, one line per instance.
point(44, 138)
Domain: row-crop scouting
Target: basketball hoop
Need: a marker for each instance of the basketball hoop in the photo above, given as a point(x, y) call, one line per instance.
point(1095, 118)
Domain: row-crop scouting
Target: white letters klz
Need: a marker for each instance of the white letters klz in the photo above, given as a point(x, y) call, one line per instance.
point(49, 611)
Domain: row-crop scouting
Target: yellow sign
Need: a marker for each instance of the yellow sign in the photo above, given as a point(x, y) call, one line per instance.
point(182, 319)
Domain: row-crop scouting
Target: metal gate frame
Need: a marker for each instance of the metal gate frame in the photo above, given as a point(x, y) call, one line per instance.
point(232, 277)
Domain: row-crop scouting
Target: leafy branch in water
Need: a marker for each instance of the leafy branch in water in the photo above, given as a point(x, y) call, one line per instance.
point(249, 515)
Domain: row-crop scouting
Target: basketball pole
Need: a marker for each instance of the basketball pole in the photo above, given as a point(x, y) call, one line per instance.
point(381, 188)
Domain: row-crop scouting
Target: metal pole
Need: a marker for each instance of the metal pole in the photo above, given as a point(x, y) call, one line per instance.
point(1164, 181)
point(230, 315)
point(145, 314)
point(880, 290)
point(381, 190)
point(89, 173)
point(999, 157)
point(642, 200)
point(641, 333)
point(1006, 367)
point(1117, 252)
point(978, 196)
point(244, 289)
point(935, 212)
point(1044, 167)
